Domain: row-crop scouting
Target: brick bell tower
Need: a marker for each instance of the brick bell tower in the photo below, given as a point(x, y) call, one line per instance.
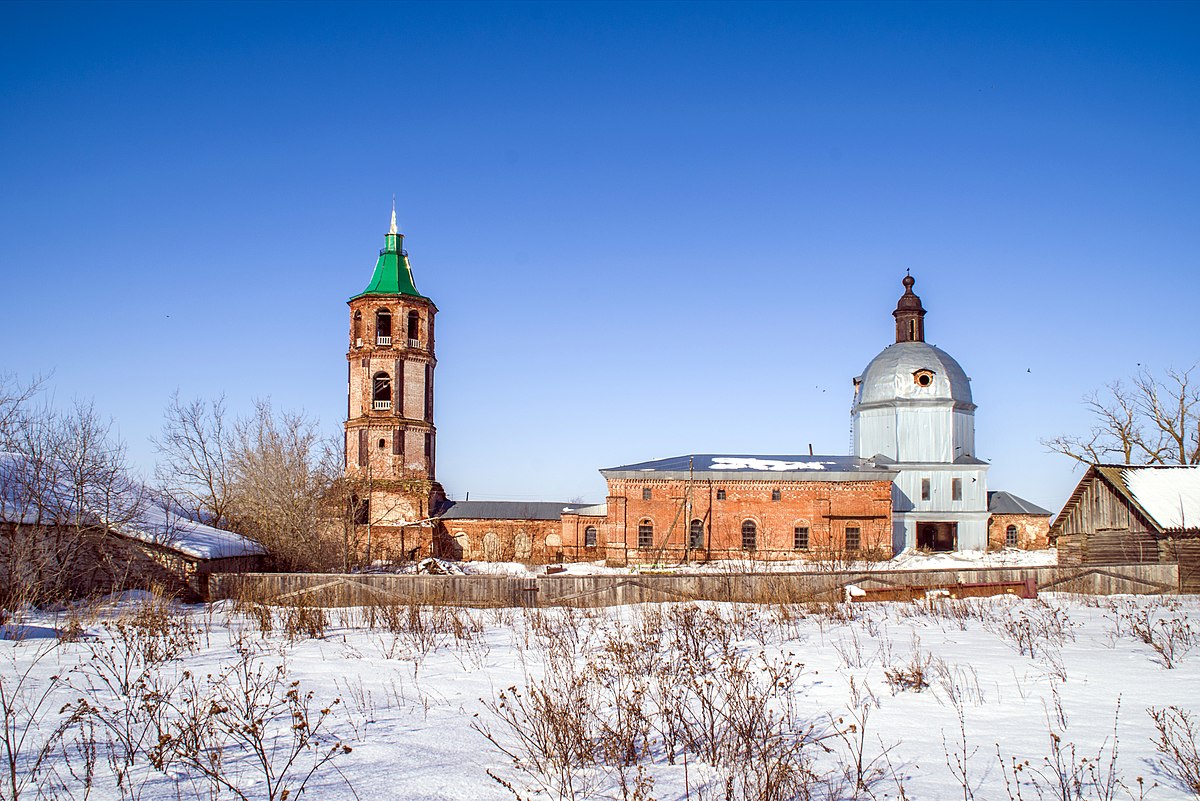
point(391, 441)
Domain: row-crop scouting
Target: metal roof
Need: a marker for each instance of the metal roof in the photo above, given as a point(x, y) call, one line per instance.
point(734, 467)
point(506, 510)
point(1005, 503)
point(891, 376)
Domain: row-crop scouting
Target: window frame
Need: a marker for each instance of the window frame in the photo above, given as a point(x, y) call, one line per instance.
point(1011, 536)
point(749, 534)
point(696, 534)
point(590, 537)
point(857, 546)
point(799, 544)
point(645, 534)
point(956, 489)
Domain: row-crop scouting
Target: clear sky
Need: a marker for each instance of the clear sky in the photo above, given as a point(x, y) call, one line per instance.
point(651, 229)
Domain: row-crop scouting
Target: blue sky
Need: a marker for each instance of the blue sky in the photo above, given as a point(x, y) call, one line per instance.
point(651, 229)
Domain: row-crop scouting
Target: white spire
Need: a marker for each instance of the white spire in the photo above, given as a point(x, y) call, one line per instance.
point(393, 230)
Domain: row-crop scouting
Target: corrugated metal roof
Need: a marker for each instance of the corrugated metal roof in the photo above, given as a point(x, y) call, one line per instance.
point(1005, 503)
point(505, 510)
point(735, 466)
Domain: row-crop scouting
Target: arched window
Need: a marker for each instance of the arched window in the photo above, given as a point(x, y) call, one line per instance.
point(381, 391)
point(356, 327)
point(414, 329)
point(646, 534)
point(383, 327)
point(1010, 537)
point(749, 535)
point(589, 537)
point(696, 534)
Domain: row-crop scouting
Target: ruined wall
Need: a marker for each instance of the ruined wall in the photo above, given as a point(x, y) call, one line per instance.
point(1033, 531)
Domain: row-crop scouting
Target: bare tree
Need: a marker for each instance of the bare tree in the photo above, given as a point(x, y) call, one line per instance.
point(65, 482)
point(195, 452)
point(1148, 421)
point(277, 487)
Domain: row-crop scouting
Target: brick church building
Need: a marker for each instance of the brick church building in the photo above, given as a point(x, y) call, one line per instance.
point(912, 480)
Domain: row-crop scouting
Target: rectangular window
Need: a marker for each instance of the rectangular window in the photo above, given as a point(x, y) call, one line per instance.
point(720, 495)
point(646, 534)
point(399, 405)
point(775, 495)
point(853, 539)
point(925, 489)
point(956, 489)
point(397, 442)
point(645, 493)
point(800, 538)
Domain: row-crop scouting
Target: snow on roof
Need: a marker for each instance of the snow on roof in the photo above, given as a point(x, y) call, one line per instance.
point(158, 526)
point(738, 463)
point(42, 493)
point(1170, 495)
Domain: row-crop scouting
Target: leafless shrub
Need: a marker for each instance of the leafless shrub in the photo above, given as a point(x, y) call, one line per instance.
point(1034, 628)
point(912, 674)
point(30, 732)
point(303, 622)
point(1171, 637)
point(1176, 742)
point(249, 731)
point(1062, 773)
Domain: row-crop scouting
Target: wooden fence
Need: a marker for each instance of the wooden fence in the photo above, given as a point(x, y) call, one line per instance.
point(331, 589)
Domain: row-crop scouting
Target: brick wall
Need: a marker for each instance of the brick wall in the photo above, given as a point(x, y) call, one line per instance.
point(826, 508)
point(531, 541)
point(1032, 531)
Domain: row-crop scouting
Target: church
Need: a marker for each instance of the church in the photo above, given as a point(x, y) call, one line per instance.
point(912, 480)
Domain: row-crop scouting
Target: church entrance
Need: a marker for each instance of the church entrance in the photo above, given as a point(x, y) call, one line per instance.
point(937, 536)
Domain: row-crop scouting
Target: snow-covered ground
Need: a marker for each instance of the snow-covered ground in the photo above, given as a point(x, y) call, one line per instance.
point(906, 560)
point(674, 701)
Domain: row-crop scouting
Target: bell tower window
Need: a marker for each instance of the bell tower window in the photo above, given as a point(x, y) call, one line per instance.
point(356, 329)
point(383, 327)
point(414, 329)
point(381, 391)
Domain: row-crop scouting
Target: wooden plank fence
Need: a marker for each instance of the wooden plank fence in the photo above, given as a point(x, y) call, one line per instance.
point(332, 589)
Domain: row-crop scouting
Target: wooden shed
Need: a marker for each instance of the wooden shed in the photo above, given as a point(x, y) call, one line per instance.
point(1128, 514)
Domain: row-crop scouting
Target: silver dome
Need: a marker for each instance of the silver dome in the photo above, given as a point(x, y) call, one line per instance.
point(913, 371)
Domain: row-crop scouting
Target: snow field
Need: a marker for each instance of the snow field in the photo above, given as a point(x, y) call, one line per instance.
point(673, 701)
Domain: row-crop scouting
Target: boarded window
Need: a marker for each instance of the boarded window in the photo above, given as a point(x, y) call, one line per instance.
point(775, 495)
point(956, 489)
point(1010, 537)
point(749, 535)
point(853, 539)
point(589, 537)
point(696, 534)
point(645, 493)
point(645, 534)
point(720, 495)
point(800, 538)
point(925, 489)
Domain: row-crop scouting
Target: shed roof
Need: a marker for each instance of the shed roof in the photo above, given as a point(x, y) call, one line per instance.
point(1005, 503)
point(1167, 497)
point(505, 510)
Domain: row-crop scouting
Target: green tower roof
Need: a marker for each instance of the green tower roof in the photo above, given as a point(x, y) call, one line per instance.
point(393, 273)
